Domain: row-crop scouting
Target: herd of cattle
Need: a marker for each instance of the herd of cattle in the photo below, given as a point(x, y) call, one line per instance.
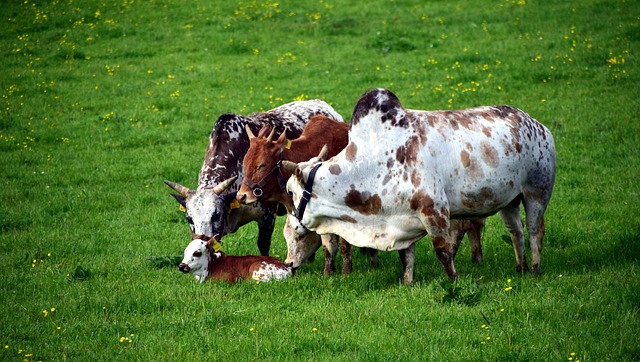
point(382, 182)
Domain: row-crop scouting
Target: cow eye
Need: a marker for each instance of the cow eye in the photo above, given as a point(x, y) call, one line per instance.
point(197, 254)
point(290, 193)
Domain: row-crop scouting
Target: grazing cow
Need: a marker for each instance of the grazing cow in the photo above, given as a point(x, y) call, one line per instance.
point(405, 173)
point(264, 178)
point(204, 260)
point(211, 208)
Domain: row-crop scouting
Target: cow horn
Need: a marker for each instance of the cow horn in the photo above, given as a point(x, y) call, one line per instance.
point(179, 188)
point(323, 152)
point(270, 137)
point(224, 185)
point(289, 166)
point(249, 133)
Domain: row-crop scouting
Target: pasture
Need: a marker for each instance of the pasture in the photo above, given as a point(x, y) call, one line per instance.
point(103, 100)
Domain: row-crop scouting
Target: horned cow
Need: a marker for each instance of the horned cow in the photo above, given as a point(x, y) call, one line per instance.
point(211, 208)
point(406, 173)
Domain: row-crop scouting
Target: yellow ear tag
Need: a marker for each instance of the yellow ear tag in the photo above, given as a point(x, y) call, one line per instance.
point(182, 208)
point(217, 246)
point(288, 145)
point(235, 204)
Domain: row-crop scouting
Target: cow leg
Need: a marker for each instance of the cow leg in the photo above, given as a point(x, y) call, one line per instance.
point(535, 226)
point(474, 234)
point(345, 251)
point(511, 217)
point(265, 230)
point(456, 233)
point(407, 258)
point(330, 245)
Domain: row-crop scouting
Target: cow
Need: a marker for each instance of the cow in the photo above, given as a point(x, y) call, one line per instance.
point(212, 209)
point(204, 260)
point(428, 168)
point(264, 178)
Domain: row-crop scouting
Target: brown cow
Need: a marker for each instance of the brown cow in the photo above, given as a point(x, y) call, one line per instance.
point(264, 179)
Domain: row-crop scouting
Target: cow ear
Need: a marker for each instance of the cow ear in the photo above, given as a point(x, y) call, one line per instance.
point(289, 166)
point(181, 199)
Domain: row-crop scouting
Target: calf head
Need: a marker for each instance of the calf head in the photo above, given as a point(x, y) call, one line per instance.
point(197, 257)
point(207, 208)
point(261, 165)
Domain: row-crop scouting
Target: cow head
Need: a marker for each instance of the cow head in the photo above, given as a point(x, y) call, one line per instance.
point(197, 256)
point(262, 175)
point(296, 188)
point(207, 208)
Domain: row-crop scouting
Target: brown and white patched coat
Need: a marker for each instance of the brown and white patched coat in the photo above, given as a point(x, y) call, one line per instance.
point(407, 172)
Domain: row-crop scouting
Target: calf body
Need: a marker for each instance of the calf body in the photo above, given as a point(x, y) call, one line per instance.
point(211, 208)
point(426, 169)
point(201, 260)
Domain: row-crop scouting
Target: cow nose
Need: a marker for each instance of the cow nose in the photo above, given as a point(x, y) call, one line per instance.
point(184, 268)
point(242, 197)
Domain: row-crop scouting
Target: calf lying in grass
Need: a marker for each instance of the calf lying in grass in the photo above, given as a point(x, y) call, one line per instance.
point(204, 260)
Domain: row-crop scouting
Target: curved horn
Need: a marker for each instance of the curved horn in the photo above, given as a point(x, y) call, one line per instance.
point(323, 153)
point(179, 188)
point(270, 137)
point(249, 133)
point(289, 166)
point(224, 185)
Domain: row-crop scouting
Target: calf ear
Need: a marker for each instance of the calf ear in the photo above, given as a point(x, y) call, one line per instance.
point(289, 166)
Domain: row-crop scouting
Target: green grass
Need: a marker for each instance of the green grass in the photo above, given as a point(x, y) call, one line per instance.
point(102, 101)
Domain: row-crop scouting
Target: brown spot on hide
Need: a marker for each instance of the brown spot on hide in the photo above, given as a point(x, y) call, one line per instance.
point(464, 157)
point(415, 178)
point(348, 218)
point(363, 202)
point(352, 151)
point(489, 154)
point(423, 203)
point(335, 169)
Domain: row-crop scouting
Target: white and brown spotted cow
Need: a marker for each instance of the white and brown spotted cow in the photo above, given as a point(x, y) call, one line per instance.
point(405, 173)
point(211, 208)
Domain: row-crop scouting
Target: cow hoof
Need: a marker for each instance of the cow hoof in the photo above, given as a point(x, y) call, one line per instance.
point(536, 269)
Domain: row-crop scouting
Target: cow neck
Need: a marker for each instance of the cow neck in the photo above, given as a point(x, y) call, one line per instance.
point(257, 187)
point(306, 193)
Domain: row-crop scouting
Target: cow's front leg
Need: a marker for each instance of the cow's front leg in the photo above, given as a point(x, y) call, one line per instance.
point(443, 251)
point(407, 258)
point(266, 223)
point(345, 251)
point(330, 245)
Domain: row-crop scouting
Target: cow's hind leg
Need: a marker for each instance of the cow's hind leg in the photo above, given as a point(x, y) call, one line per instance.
point(475, 235)
point(407, 258)
point(535, 226)
point(511, 217)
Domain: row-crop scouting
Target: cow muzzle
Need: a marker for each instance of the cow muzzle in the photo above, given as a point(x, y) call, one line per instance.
point(184, 268)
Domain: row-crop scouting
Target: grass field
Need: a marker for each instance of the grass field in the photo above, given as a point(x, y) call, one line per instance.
point(103, 100)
